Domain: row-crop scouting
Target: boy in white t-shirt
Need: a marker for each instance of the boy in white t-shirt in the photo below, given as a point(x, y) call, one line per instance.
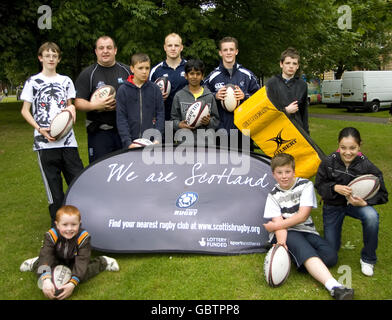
point(45, 95)
point(289, 205)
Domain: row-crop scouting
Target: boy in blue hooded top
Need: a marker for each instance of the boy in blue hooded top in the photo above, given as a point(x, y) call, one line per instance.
point(139, 104)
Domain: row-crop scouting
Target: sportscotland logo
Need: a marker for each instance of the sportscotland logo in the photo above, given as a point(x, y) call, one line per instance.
point(187, 199)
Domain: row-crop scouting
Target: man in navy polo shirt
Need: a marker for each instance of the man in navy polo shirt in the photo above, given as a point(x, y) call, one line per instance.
point(172, 68)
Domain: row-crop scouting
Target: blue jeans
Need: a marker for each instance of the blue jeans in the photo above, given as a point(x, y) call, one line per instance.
point(333, 217)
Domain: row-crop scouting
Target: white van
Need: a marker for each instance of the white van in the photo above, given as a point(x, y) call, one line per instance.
point(331, 92)
point(367, 89)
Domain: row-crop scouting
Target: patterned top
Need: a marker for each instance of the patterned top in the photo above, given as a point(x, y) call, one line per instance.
point(285, 203)
point(48, 96)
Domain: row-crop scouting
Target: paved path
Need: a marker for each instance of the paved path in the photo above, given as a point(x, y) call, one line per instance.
point(349, 118)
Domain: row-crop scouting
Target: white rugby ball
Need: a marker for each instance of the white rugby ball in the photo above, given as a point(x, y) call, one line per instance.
point(195, 113)
point(61, 275)
point(277, 265)
point(142, 142)
point(163, 84)
point(365, 186)
point(230, 102)
point(61, 125)
point(103, 92)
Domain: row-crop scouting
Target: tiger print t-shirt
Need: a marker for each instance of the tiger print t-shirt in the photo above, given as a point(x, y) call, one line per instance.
point(48, 97)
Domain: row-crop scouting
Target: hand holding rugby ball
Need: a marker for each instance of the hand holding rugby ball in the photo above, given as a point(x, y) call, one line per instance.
point(230, 102)
point(195, 114)
point(365, 186)
point(164, 84)
point(102, 93)
point(61, 124)
point(60, 276)
point(141, 142)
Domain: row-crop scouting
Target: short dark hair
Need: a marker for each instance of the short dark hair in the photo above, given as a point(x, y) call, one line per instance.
point(138, 58)
point(49, 46)
point(350, 132)
point(289, 52)
point(194, 64)
point(228, 39)
point(105, 37)
point(282, 159)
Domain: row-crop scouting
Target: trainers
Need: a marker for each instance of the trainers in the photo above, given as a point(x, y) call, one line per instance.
point(112, 264)
point(366, 268)
point(28, 264)
point(342, 293)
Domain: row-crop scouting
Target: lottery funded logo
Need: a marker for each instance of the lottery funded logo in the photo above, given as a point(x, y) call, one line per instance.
point(213, 242)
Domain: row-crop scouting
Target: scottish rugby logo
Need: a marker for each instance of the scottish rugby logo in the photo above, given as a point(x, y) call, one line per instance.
point(187, 199)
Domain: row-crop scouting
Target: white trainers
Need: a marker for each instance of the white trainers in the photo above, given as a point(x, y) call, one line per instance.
point(112, 264)
point(366, 268)
point(27, 265)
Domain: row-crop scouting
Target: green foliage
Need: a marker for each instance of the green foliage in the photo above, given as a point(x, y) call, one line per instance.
point(264, 29)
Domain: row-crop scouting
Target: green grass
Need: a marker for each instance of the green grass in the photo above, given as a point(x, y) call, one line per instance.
point(24, 219)
point(322, 109)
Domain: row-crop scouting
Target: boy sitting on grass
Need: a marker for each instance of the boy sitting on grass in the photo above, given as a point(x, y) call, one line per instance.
point(289, 205)
point(67, 244)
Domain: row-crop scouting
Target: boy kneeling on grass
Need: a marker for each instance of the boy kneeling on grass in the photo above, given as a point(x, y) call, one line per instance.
point(67, 244)
point(289, 205)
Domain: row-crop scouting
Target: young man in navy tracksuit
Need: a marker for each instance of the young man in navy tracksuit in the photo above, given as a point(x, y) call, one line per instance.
point(139, 104)
point(172, 68)
point(229, 71)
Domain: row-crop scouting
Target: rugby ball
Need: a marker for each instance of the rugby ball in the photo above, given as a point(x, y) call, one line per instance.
point(365, 186)
point(195, 113)
point(277, 265)
point(60, 275)
point(61, 124)
point(103, 92)
point(142, 142)
point(229, 103)
point(163, 84)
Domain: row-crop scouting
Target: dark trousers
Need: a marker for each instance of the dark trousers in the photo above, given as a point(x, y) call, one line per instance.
point(53, 163)
point(305, 245)
point(101, 143)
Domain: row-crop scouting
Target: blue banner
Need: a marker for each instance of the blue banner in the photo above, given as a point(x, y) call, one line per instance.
point(174, 199)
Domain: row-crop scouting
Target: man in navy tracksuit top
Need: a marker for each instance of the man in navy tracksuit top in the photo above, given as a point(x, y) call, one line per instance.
point(229, 71)
point(172, 68)
point(139, 104)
